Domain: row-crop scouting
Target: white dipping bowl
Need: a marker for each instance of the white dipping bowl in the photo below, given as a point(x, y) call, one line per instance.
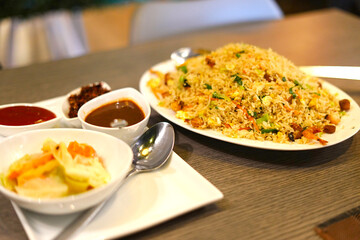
point(75, 122)
point(116, 154)
point(127, 134)
point(7, 130)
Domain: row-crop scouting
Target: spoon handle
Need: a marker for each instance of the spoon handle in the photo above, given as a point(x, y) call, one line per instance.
point(341, 72)
point(88, 215)
point(131, 172)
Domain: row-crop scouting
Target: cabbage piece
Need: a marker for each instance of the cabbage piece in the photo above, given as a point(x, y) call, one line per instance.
point(7, 183)
point(50, 187)
point(81, 173)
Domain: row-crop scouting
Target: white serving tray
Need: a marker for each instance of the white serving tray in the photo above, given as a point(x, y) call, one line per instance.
point(145, 200)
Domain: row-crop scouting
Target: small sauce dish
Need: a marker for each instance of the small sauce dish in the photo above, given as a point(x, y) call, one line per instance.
point(74, 121)
point(20, 117)
point(114, 101)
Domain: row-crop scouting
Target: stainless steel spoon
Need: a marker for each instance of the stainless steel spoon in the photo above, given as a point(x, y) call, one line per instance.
point(151, 150)
point(341, 72)
point(180, 55)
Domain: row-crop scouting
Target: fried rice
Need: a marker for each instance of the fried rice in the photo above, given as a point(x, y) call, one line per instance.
point(244, 91)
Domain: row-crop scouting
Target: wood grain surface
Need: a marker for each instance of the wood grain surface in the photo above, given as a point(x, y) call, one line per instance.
point(267, 194)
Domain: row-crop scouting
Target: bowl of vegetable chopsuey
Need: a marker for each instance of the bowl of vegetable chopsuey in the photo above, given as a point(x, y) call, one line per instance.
point(61, 171)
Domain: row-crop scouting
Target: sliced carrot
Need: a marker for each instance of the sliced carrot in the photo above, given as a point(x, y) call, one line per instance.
point(83, 149)
point(14, 174)
point(296, 112)
point(73, 148)
point(88, 150)
point(248, 116)
point(187, 107)
point(156, 93)
point(40, 172)
point(34, 161)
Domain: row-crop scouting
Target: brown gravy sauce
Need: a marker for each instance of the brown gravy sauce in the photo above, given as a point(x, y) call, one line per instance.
point(121, 109)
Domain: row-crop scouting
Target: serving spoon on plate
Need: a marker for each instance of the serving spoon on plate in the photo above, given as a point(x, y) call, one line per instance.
point(342, 72)
point(151, 150)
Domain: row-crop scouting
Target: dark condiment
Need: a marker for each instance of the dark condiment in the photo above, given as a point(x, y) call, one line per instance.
point(121, 109)
point(24, 115)
point(86, 94)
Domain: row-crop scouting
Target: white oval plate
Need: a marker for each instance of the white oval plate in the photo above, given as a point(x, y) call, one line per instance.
point(349, 126)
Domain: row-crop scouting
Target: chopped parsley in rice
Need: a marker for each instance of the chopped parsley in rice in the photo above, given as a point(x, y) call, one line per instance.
point(247, 92)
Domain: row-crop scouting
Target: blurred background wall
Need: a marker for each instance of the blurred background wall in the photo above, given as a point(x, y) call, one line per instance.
point(25, 8)
point(33, 31)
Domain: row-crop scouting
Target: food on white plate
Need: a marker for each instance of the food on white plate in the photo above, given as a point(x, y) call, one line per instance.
point(57, 171)
point(244, 91)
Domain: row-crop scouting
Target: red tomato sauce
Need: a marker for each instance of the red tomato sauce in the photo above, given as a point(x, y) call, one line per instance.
point(24, 115)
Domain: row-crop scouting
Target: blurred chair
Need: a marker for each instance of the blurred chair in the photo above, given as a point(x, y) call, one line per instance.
point(108, 27)
point(65, 34)
point(22, 42)
point(52, 36)
point(155, 20)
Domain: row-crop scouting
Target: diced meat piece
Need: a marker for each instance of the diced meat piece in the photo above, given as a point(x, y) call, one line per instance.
point(329, 129)
point(210, 61)
point(344, 104)
point(319, 84)
point(297, 130)
point(268, 77)
point(289, 100)
point(86, 94)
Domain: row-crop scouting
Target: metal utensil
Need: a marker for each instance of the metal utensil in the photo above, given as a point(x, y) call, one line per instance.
point(179, 56)
point(151, 150)
point(341, 72)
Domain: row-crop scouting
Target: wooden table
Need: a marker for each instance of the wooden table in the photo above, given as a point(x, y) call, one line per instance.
point(268, 194)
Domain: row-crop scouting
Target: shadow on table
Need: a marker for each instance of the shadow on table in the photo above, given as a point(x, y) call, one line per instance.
point(260, 157)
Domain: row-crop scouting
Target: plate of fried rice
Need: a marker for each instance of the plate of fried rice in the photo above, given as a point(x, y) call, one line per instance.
point(253, 97)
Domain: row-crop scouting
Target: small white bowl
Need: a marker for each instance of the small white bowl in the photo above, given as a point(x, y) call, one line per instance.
point(127, 134)
point(75, 122)
point(7, 130)
point(116, 154)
